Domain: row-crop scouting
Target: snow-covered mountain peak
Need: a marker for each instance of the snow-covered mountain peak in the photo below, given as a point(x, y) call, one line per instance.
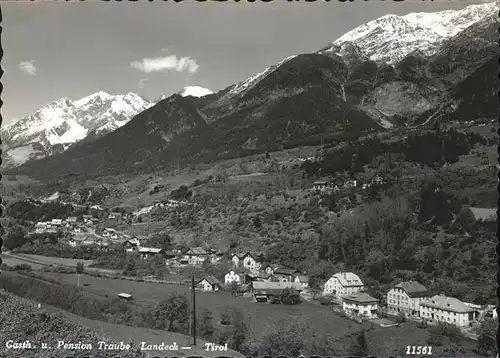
point(448, 23)
point(390, 38)
point(64, 122)
point(194, 91)
point(98, 96)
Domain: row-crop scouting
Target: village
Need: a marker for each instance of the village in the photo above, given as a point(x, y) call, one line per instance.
point(248, 273)
point(266, 282)
point(272, 283)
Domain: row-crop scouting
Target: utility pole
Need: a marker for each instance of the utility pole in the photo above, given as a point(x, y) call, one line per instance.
point(193, 325)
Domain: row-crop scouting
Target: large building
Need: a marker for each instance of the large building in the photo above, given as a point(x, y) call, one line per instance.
point(360, 304)
point(441, 308)
point(343, 283)
point(406, 297)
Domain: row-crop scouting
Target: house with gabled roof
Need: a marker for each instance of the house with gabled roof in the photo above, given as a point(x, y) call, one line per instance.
point(360, 304)
point(72, 219)
point(269, 268)
point(320, 185)
point(235, 257)
point(239, 275)
point(302, 280)
point(131, 245)
point(56, 222)
point(40, 227)
point(450, 310)
point(196, 255)
point(338, 183)
point(406, 297)
point(150, 252)
point(343, 283)
point(252, 261)
point(209, 283)
point(278, 291)
point(285, 274)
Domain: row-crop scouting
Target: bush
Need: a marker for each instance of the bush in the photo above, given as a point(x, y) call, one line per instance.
point(225, 317)
point(22, 267)
point(80, 268)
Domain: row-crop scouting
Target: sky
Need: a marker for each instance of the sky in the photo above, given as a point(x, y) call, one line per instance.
point(74, 49)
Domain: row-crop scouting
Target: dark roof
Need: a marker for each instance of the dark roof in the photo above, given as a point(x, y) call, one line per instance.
point(239, 271)
point(360, 298)
point(196, 251)
point(254, 254)
point(413, 289)
point(276, 292)
point(302, 278)
point(447, 303)
point(211, 280)
point(273, 266)
point(320, 182)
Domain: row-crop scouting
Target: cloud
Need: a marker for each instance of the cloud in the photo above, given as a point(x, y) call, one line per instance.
point(165, 64)
point(142, 83)
point(28, 67)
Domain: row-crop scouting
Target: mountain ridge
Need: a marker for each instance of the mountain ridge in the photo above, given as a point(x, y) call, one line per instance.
point(336, 90)
point(60, 124)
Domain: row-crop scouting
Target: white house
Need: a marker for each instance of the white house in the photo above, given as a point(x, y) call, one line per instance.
point(320, 185)
point(209, 283)
point(114, 235)
point(351, 183)
point(71, 220)
point(451, 310)
point(302, 280)
point(360, 304)
point(72, 243)
point(89, 242)
point(406, 297)
point(236, 275)
point(343, 283)
point(252, 261)
point(40, 227)
point(56, 222)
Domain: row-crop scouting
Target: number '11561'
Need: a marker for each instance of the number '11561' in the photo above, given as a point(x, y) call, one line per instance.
point(418, 350)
